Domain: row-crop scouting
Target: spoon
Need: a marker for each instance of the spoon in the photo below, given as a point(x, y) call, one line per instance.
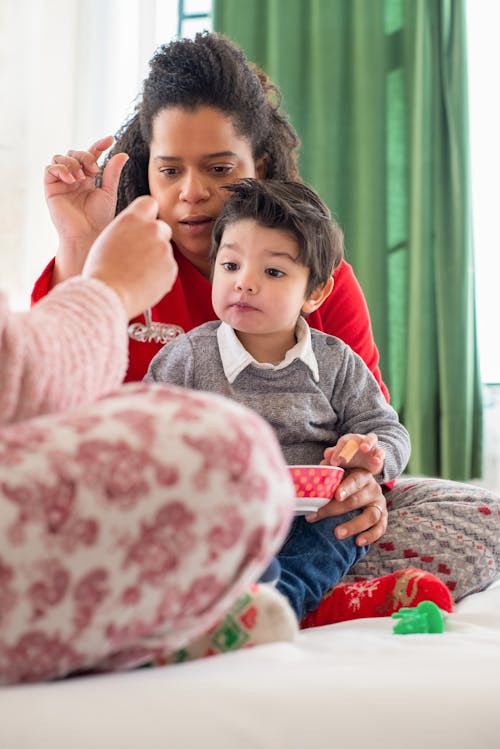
point(153, 332)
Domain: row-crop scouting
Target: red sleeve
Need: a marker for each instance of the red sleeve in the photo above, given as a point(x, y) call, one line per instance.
point(345, 315)
point(43, 283)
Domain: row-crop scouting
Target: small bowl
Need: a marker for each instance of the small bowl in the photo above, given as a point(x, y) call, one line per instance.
point(318, 482)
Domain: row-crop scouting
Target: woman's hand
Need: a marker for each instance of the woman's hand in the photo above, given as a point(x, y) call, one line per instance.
point(79, 209)
point(357, 490)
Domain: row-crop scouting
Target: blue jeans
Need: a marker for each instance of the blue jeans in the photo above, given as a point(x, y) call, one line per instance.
point(313, 561)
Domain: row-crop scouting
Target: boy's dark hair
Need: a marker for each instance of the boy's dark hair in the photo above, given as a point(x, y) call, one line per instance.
point(292, 207)
point(207, 71)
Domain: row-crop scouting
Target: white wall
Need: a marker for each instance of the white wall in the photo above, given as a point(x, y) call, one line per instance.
point(36, 116)
point(483, 17)
point(69, 72)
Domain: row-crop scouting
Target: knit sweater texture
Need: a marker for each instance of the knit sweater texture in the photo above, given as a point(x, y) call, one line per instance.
point(67, 350)
point(307, 416)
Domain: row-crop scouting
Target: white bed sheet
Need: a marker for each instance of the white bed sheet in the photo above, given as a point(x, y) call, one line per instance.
point(353, 684)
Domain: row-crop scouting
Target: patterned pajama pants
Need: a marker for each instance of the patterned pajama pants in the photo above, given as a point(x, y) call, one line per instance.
point(130, 528)
point(445, 527)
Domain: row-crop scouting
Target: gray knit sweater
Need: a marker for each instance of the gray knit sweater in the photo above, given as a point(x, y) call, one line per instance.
point(307, 416)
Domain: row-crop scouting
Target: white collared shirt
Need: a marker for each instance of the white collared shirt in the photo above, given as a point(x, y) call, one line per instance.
point(235, 358)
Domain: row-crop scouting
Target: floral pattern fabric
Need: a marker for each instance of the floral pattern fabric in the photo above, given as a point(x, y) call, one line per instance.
point(129, 528)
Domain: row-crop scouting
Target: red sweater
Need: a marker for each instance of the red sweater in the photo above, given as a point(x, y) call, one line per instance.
point(344, 314)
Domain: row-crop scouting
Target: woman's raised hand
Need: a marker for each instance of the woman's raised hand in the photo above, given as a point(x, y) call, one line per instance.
point(79, 209)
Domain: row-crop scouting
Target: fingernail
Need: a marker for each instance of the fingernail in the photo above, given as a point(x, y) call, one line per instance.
point(342, 494)
point(341, 533)
point(311, 517)
point(361, 541)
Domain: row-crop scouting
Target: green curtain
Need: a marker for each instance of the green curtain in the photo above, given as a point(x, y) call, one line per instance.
point(377, 92)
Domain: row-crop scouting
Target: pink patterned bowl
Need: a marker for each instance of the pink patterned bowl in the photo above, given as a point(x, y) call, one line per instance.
point(316, 481)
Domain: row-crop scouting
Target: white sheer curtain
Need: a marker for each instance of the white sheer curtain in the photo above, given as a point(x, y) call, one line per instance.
point(483, 19)
point(69, 72)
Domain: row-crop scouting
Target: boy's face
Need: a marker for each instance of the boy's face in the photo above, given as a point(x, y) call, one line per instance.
point(258, 286)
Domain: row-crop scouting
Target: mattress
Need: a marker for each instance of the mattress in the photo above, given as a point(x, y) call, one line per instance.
point(353, 684)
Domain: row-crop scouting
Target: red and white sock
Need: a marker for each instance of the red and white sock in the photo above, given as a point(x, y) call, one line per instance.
point(380, 596)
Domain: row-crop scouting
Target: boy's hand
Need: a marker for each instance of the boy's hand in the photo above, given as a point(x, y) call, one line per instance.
point(356, 451)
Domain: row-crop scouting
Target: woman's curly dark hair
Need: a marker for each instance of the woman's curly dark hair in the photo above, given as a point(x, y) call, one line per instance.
point(210, 71)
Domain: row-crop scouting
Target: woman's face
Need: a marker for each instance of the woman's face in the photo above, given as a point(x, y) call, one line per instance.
point(192, 154)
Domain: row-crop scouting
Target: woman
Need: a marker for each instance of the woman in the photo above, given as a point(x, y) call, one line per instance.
point(206, 118)
point(117, 546)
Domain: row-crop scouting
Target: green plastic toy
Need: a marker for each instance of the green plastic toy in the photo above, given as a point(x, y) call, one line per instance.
point(426, 618)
